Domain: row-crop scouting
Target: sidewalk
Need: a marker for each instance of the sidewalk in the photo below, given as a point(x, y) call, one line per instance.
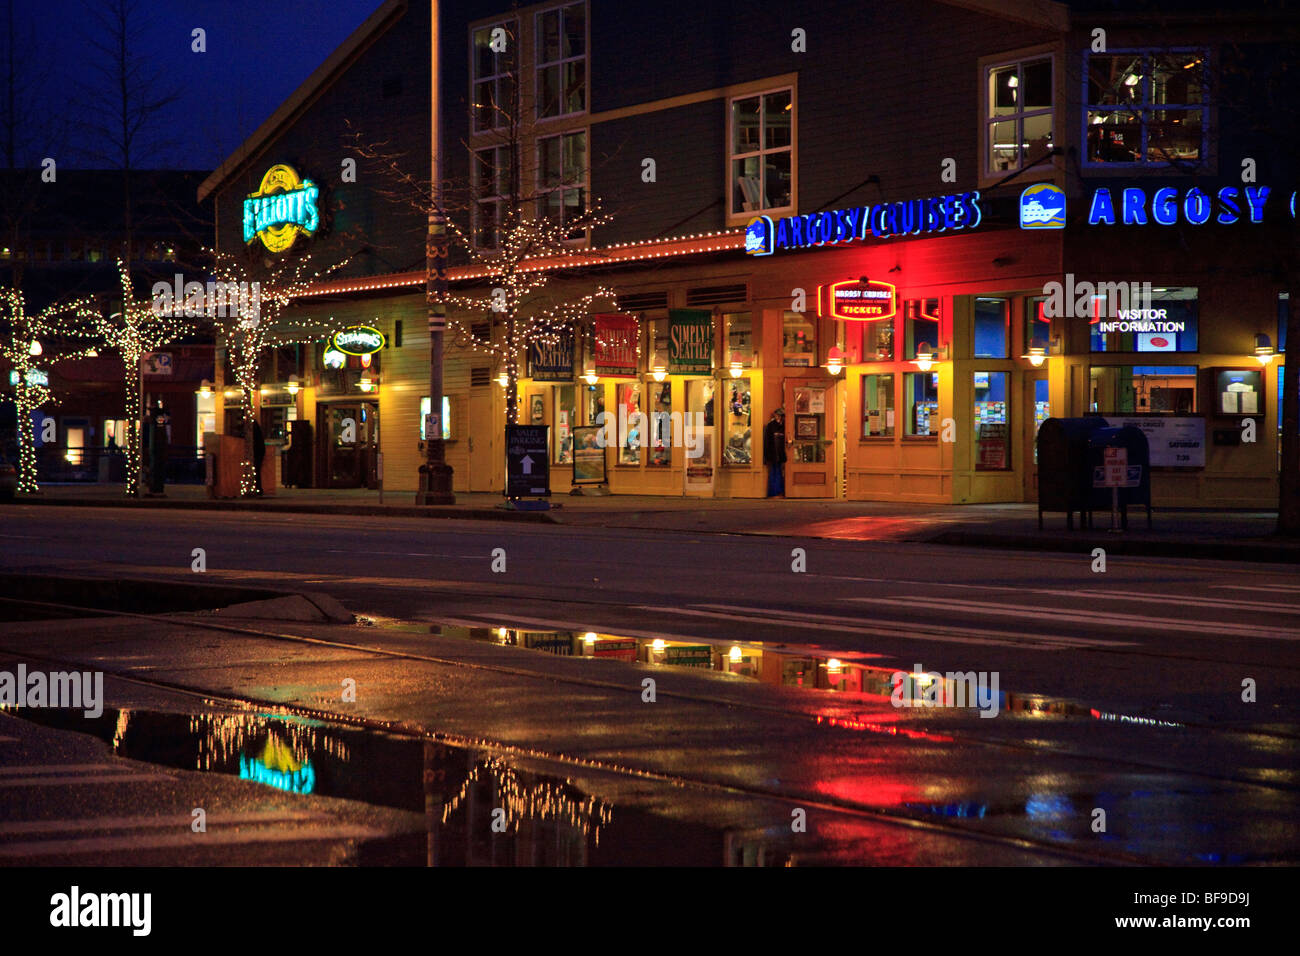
point(1217, 535)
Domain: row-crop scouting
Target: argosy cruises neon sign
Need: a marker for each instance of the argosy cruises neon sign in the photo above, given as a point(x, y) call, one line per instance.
point(763, 235)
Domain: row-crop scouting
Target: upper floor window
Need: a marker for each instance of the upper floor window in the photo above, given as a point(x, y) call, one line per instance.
point(491, 194)
point(762, 152)
point(493, 54)
point(562, 176)
point(1145, 107)
point(1017, 114)
point(562, 61)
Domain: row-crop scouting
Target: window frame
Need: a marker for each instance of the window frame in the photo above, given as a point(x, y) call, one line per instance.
point(1017, 58)
point(740, 217)
point(584, 187)
point(497, 198)
point(512, 25)
point(538, 65)
point(1203, 163)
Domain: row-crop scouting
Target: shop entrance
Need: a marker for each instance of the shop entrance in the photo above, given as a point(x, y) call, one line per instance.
point(810, 424)
point(1037, 409)
point(348, 444)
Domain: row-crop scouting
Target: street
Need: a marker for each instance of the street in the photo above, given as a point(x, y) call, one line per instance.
point(1121, 689)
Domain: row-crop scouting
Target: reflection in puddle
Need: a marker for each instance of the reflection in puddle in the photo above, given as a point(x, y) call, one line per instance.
point(848, 672)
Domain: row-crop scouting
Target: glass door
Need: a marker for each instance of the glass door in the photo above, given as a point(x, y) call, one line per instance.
point(1038, 409)
point(810, 426)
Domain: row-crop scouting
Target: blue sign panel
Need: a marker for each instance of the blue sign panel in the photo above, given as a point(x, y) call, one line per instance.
point(764, 235)
point(1166, 206)
point(1042, 206)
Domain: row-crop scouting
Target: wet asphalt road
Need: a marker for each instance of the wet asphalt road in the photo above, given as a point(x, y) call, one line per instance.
point(1157, 640)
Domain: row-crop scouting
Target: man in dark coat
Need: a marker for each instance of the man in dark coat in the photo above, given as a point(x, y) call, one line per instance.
point(774, 454)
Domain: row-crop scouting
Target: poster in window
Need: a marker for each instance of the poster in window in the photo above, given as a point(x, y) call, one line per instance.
point(690, 342)
point(992, 447)
point(537, 409)
point(552, 361)
point(615, 344)
point(807, 427)
point(588, 455)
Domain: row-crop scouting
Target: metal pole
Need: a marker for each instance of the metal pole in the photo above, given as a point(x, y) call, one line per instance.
point(435, 473)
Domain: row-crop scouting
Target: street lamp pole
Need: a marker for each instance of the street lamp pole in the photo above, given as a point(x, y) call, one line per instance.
point(435, 473)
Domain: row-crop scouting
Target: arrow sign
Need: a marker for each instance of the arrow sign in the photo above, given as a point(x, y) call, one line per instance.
point(527, 461)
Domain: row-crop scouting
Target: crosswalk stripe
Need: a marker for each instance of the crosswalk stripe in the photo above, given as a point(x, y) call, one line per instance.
point(82, 779)
point(167, 841)
point(1092, 617)
point(72, 825)
point(929, 632)
point(39, 768)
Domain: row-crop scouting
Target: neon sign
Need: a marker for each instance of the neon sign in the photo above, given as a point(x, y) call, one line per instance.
point(1196, 207)
point(283, 208)
point(855, 301)
point(358, 340)
point(763, 235)
point(1042, 206)
point(34, 377)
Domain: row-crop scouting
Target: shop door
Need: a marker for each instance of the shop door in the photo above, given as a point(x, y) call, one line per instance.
point(482, 441)
point(349, 441)
point(1037, 409)
point(701, 406)
point(810, 425)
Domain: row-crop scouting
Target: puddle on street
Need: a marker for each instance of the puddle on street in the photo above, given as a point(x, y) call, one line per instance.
point(479, 809)
point(805, 668)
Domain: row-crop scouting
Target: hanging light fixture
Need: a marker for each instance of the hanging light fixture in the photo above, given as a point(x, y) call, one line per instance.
point(737, 365)
point(835, 360)
point(1264, 349)
point(1036, 356)
point(366, 383)
point(659, 370)
point(205, 388)
point(590, 376)
point(294, 385)
point(924, 356)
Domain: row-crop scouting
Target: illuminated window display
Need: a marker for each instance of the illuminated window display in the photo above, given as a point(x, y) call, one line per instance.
point(921, 401)
point(992, 431)
point(877, 406)
point(739, 447)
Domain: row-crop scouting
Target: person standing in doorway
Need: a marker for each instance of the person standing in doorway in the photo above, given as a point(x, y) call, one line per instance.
point(774, 454)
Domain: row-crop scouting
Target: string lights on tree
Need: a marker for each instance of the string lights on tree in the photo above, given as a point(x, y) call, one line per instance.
point(255, 323)
point(141, 327)
point(31, 346)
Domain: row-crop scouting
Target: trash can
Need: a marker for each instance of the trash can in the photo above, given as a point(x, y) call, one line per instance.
point(1064, 471)
point(1136, 489)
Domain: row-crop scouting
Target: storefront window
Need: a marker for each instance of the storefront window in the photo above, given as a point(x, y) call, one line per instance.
point(921, 397)
point(992, 431)
point(739, 449)
point(661, 424)
point(799, 337)
point(593, 403)
point(566, 416)
point(921, 317)
point(877, 405)
point(631, 427)
point(1038, 328)
point(1143, 389)
point(1283, 306)
point(740, 338)
point(1122, 322)
point(656, 343)
point(1145, 107)
point(878, 341)
point(992, 321)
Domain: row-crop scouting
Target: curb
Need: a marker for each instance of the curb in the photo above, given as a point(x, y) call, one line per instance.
point(395, 511)
point(1262, 551)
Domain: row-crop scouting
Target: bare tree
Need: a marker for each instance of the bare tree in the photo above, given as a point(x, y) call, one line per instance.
point(506, 226)
point(123, 121)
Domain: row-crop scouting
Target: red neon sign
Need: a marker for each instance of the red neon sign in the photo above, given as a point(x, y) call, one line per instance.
point(855, 301)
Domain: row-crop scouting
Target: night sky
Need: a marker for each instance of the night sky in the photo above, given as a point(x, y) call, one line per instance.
point(257, 54)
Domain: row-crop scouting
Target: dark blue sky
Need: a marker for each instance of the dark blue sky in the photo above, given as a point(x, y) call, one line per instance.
point(257, 54)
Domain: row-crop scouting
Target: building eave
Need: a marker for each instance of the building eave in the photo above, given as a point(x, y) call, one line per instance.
point(304, 95)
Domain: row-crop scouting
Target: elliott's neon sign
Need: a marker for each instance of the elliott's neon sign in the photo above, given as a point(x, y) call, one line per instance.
point(283, 208)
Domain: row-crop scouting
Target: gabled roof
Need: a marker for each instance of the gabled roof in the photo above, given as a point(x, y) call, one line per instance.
point(1052, 14)
point(301, 98)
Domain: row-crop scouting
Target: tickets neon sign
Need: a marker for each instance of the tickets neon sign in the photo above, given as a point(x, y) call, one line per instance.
point(763, 235)
point(283, 208)
point(856, 301)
